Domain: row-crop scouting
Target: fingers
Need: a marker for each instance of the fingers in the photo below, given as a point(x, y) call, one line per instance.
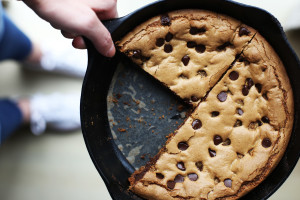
point(102, 5)
point(81, 19)
point(105, 9)
point(99, 35)
point(78, 43)
point(110, 14)
point(68, 34)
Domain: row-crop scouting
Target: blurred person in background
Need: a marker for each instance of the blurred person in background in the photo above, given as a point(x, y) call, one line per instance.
point(75, 18)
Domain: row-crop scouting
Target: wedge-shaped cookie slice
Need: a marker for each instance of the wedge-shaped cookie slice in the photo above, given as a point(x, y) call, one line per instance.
point(187, 50)
point(232, 140)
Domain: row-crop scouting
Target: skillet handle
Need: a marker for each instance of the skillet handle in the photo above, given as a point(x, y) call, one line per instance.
point(112, 24)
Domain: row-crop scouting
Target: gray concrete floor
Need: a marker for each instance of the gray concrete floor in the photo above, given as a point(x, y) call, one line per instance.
point(57, 166)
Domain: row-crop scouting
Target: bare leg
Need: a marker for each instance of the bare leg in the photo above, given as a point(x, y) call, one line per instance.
point(24, 106)
point(35, 55)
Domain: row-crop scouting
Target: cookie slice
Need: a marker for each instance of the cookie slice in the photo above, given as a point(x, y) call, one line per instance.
point(187, 50)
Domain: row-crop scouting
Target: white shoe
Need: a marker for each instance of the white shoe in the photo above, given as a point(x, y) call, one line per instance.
point(61, 58)
point(58, 112)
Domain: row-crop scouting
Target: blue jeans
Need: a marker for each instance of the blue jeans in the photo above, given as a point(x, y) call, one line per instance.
point(10, 118)
point(14, 44)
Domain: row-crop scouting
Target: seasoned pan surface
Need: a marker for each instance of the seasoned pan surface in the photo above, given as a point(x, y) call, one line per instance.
point(122, 123)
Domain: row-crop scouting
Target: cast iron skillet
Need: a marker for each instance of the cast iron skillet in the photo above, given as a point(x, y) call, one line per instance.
point(109, 161)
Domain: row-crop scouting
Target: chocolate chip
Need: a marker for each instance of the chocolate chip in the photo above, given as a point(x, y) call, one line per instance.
point(193, 30)
point(258, 87)
point(160, 42)
point(196, 124)
point(202, 73)
point(137, 54)
point(191, 44)
point(223, 46)
point(249, 83)
point(200, 48)
point(226, 142)
point(159, 176)
point(228, 182)
point(266, 142)
point(185, 60)
point(243, 31)
point(259, 123)
point(168, 48)
point(180, 165)
point(165, 20)
point(179, 178)
point(215, 113)
point(199, 165)
point(201, 30)
point(265, 119)
point(182, 146)
point(245, 90)
point(169, 37)
point(222, 96)
point(247, 86)
point(193, 176)
point(234, 75)
point(194, 98)
point(212, 153)
point(239, 111)
point(238, 123)
point(171, 184)
point(265, 96)
point(217, 140)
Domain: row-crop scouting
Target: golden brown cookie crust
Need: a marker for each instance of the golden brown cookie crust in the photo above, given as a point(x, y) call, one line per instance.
point(238, 132)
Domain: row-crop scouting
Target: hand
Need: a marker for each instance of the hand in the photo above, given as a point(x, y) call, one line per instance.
point(76, 18)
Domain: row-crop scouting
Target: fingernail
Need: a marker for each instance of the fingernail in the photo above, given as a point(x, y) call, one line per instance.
point(111, 52)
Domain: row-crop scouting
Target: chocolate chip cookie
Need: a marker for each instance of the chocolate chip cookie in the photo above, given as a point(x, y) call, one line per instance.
point(242, 99)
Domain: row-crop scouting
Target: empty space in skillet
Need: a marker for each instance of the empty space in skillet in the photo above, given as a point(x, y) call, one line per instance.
point(141, 113)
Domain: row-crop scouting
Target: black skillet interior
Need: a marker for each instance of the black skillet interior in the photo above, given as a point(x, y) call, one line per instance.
point(109, 161)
